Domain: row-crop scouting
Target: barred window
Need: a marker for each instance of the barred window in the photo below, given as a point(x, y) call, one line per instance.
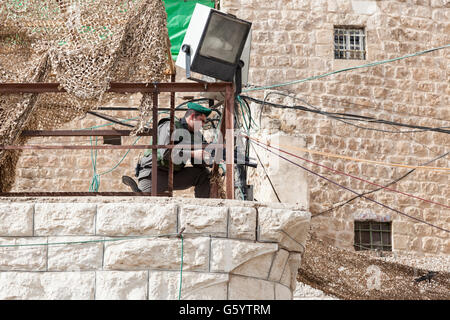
point(372, 235)
point(349, 43)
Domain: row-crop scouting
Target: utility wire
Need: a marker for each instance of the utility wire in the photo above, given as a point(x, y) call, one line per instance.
point(353, 117)
point(375, 190)
point(348, 189)
point(352, 176)
point(332, 155)
point(347, 103)
point(267, 175)
point(347, 69)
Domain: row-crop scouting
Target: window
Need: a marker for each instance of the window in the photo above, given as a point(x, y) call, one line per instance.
point(349, 43)
point(372, 235)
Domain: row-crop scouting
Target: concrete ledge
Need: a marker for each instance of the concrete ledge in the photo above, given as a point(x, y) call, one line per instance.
point(125, 219)
point(16, 219)
point(126, 250)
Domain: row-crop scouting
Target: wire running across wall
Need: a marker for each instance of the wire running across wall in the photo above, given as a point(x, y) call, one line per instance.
point(266, 147)
point(345, 117)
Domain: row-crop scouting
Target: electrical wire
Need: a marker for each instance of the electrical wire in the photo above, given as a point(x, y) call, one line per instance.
point(348, 189)
point(110, 118)
point(347, 103)
point(267, 175)
point(354, 117)
point(351, 117)
point(375, 190)
point(348, 69)
point(351, 176)
point(332, 155)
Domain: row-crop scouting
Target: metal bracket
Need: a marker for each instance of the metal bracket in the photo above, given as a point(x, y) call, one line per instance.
point(187, 50)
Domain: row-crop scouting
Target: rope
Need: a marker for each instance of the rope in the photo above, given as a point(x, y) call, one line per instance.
point(347, 69)
point(348, 189)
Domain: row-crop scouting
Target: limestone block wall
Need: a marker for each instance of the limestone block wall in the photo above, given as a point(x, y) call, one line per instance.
point(100, 248)
point(294, 40)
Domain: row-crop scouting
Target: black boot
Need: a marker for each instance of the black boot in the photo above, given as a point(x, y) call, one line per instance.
point(131, 183)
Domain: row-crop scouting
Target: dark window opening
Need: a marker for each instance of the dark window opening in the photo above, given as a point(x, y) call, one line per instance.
point(373, 235)
point(349, 43)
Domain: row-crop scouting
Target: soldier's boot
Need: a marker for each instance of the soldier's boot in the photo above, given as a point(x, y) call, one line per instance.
point(131, 183)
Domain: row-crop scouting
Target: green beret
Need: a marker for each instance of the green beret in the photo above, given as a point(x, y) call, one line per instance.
point(199, 108)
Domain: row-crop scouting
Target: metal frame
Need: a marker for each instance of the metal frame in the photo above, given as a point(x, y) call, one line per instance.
point(359, 229)
point(347, 50)
point(155, 89)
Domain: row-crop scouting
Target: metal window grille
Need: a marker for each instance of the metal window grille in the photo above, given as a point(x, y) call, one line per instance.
point(372, 235)
point(349, 43)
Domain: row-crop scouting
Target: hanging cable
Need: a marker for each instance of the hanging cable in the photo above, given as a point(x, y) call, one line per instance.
point(267, 175)
point(348, 69)
point(378, 189)
point(352, 117)
point(348, 189)
point(351, 176)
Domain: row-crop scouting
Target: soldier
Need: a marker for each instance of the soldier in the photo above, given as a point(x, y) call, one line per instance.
point(187, 131)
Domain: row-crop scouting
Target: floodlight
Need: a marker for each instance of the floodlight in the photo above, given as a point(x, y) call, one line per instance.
point(213, 43)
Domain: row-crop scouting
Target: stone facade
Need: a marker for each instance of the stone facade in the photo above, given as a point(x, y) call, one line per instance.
point(100, 248)
point(294, 40)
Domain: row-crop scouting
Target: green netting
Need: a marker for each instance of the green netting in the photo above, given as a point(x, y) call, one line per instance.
point(179, 15)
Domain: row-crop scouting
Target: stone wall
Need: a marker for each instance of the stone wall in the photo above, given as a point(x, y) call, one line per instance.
point(294, 40)
point(129, 248)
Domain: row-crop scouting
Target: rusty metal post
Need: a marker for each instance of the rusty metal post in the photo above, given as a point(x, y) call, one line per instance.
point(155, 142)
point(172, 124)
point(229, 139)
point(214, 192)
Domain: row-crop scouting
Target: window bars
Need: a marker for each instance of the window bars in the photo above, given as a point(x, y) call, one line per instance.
point(372, 235)
point(349, 43)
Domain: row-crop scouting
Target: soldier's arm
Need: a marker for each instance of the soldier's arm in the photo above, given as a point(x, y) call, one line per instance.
point(164, 139)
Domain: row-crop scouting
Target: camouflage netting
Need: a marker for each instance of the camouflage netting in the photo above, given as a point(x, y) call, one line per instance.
point(81, 44)
point(351, 275)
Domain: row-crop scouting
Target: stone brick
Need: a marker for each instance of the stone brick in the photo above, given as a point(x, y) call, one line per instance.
point(324, 50)
point(121, 285)
point(75, 257)
point(278, 265)
point(258, 267)
point(16, 219)
point(401, 227)
point(242, 288)
point(430, 244)
point(165, 285)
point(288, 228)
point(227, 255)
point(290, 271)
point(242, 223)
point(47, 286)
point(324, 37)
point(282, 292)
point(204, 219)
point(23, 255)
point(64, 219)
point(157, 253)
point(127, 219)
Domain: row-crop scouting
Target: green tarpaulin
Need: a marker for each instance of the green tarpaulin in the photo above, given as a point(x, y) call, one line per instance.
point(179, 14)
